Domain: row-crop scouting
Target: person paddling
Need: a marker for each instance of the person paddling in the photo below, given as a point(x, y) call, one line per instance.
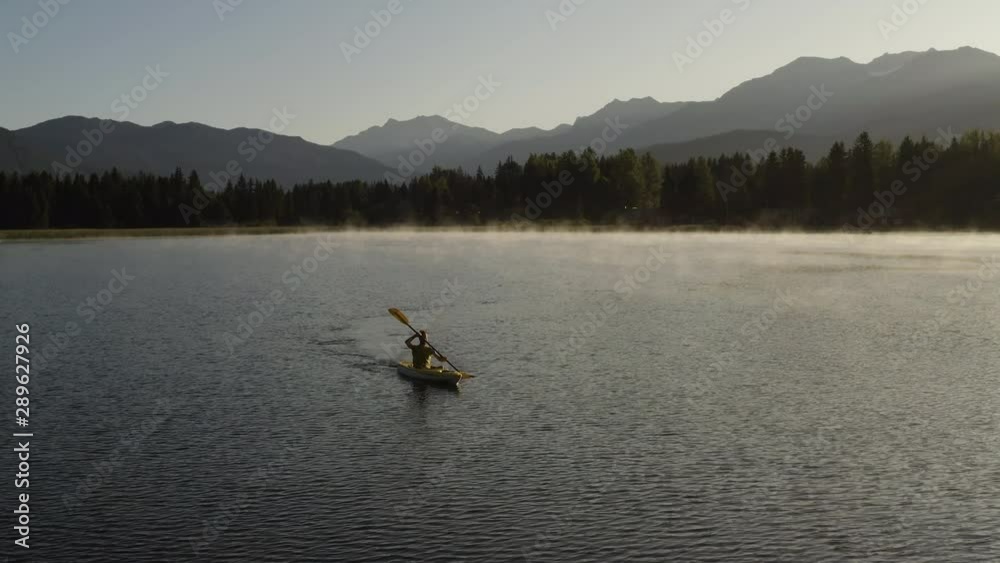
point(422, 351)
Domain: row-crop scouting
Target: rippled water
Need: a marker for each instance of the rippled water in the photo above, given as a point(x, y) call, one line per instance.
point(755, 398)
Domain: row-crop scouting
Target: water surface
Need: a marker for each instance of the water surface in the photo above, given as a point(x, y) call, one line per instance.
point(639, 397)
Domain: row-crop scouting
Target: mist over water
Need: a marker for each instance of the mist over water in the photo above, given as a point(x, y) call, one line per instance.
point(649, 397)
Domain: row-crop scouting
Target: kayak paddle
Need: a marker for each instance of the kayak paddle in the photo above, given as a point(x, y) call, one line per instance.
point(401, 317)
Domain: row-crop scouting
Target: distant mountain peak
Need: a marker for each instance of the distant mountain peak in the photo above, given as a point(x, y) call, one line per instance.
point(882, 64)
point(399, 138)
point(815, 65)
point(894, 59)
point(67, 120)
point(646, 101)
point(634, 109)
point(414, 119)
point(971, 57)
point(965, 51)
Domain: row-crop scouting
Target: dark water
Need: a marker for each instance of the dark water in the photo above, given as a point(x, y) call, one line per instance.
point(756, 398)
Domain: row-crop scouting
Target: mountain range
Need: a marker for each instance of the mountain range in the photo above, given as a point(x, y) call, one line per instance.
point(473, 146)
point(79, 144)
point(808, 103)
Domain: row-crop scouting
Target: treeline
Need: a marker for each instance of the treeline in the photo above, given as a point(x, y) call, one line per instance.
point(940, 183)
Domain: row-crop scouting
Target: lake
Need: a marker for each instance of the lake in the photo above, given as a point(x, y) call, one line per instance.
point(639, 397)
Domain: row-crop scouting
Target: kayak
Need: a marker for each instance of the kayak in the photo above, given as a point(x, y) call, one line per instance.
point(435, 375)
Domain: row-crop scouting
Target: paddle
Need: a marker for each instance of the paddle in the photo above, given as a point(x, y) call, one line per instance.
point(401, 317)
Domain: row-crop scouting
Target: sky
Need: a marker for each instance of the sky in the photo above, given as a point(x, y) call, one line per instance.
point(340, 67)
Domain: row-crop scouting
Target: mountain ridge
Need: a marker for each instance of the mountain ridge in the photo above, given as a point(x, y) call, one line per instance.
point(892, 95)
point(810, 98)
point(59, 144)
point(956, 77)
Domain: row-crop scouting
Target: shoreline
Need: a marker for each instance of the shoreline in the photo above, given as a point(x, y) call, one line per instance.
point(151, 232)
point(30, 235)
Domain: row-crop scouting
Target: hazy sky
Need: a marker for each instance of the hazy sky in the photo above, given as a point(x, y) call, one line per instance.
point(232, 70)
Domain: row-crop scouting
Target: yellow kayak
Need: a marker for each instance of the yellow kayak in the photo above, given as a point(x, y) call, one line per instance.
point(435, 375)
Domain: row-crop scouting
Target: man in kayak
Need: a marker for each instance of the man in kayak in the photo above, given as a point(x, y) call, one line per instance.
point(422, 351)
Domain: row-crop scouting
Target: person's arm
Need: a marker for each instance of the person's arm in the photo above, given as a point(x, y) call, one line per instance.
point(441, 357)
point(409, 341)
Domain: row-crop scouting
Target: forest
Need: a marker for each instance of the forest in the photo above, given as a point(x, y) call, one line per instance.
point(938, 184)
